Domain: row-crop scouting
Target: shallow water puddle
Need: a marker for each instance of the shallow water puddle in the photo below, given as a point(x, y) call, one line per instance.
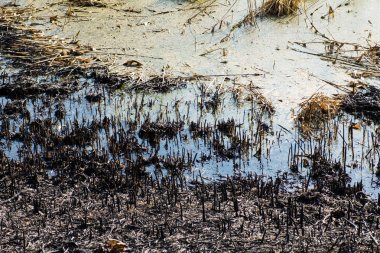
point(197, 130)
point(202, 128)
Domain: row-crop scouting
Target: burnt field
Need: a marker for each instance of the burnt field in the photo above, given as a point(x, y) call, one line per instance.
point(92, 160)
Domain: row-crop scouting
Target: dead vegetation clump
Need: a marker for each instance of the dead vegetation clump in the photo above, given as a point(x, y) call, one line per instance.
point(251, 17)
point(331, 176)
point(360, 60)
point(252, 93)
point(363, 58)
point(265, 104)
point(32, 51)
point(89, 3)
point(154, 131)
point(280, 7)
point(160, 84)
point(277, 8)
point(364, 102)
point(315, 111)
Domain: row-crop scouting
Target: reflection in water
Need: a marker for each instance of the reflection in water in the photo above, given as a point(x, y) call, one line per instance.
point(201, 129)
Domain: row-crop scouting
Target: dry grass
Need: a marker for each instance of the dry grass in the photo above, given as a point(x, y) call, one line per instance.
point(280, 7)
point(317, 110)
point(251, 17)
point(252, 93)
point(269, 7)
point(33, 52)
point(89, 3)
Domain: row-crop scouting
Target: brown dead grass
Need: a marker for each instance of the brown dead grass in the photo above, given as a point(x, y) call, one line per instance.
point(88, 3)
point(280, 7)
point(317, 110)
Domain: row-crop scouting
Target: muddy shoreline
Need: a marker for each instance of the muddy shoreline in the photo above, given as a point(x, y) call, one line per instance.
point(82, 213)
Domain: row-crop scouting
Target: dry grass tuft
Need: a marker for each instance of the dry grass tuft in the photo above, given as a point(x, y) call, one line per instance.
point(280, 7)
point(89, 3)
point(252, 93)
point(316, 111)
point(33, 52)
point(251, 17)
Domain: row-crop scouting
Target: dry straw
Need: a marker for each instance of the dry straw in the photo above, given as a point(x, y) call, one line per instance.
point(89, 3)
point(315, 111)
point(280, 7)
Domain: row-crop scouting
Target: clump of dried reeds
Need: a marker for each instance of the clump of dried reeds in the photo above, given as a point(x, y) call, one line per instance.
point(89, 3)
point(252, 93)
point(317, 110)
point(30, 50)
point(363, 102)
point(269, 7)
point(251, 17)
point(280, 7)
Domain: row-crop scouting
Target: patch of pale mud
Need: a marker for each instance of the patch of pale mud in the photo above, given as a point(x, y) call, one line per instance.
point(185, 38)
